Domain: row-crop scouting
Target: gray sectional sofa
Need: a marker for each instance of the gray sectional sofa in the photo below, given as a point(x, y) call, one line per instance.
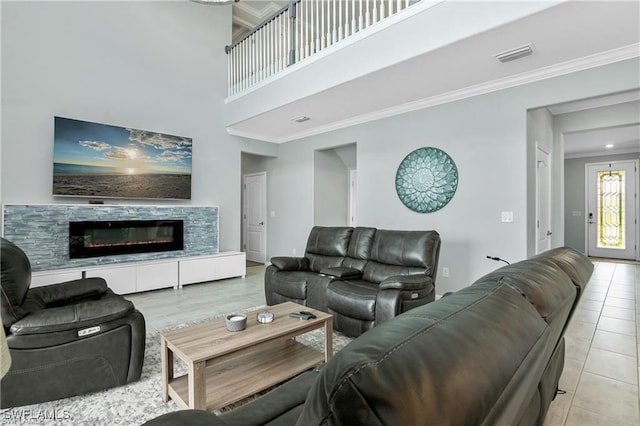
point(363, 276)
point(489, 354)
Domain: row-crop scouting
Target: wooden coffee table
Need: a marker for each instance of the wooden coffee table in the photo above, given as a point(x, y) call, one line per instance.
point(225, 367)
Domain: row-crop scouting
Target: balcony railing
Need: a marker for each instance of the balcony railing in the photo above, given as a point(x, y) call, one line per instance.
point(297, 32)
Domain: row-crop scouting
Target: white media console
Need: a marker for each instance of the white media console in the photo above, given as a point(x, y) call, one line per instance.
point(133, 277)
point(43, 231)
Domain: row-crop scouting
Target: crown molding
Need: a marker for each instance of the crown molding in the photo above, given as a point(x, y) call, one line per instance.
point(568, 67)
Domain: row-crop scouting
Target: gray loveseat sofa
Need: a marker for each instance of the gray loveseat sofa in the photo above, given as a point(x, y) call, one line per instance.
point(363, 276)
point(489, 354)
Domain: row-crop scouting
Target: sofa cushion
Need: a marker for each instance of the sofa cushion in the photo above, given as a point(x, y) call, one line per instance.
point(406, 248)
point(359, 250)
point(402, 253)
point(327, 246)
point(355, 298)
point(329, 241)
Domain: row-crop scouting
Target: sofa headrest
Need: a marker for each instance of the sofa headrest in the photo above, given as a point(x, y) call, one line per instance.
point(15, 281)
point(406, 248)
point(361, 242)
point(575, 264)
point(541, 282)
point(465, 359)
point(329, 241)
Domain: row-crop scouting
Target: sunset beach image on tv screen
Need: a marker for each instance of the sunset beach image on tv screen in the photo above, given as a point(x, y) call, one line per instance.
point(100, 160)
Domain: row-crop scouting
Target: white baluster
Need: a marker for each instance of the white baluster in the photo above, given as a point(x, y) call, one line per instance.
point(265, 52)
point(274, 30)
point(375, 12)
point(272, 46)
point(353, 17)
point(247, 65)
point(382, 10)
point(236, 70)
point(286, 40)
point(317, 27)
point(303, 28)
point(340, 26)
point(308, 29)
point(229, 72)
point(347, 32)
point(243, 70)
point(312, 44)
point(360, 17)
point(390, 8)
point(280, 47)
point(323, 40)
point(335, 22)
point(367, 19)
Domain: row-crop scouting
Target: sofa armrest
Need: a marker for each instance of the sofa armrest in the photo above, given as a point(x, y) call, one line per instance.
point(68, 292)
point(406, 282)
point(284, 263)
point(73, 317)
point(342, 272)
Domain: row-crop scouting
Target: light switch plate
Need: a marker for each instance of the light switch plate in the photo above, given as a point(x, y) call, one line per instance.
point(507, 217)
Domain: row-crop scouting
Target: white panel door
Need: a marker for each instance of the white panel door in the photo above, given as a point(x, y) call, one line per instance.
point(254, 216)
point(612, 209)
point(543, 200)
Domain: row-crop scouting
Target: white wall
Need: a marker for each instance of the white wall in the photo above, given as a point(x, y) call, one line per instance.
point(331, 189)
point(487, 138)
point(156, 66)
point(540, 133)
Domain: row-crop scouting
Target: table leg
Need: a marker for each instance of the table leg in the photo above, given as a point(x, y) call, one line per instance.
point(167, 368)
point(328, 339)
point(197, 385)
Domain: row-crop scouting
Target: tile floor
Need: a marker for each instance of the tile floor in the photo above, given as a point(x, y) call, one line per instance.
point(601, 370)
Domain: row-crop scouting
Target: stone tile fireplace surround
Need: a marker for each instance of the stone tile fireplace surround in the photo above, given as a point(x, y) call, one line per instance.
point(42, 231)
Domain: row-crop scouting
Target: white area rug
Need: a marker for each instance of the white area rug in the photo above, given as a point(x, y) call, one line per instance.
point(132, 404)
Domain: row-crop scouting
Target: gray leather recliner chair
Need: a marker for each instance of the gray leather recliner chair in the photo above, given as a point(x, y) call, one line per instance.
point(65, 339)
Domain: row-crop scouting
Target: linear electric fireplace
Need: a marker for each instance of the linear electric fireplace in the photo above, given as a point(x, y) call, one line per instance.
point(113, 237)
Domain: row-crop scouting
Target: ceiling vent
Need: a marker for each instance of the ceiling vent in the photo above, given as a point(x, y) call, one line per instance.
point(301, 119)
point(513, 54)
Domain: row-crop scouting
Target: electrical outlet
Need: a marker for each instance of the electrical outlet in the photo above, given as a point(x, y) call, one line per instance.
point(445, 272)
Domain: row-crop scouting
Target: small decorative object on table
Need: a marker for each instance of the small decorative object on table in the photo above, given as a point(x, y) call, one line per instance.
point(236, 322)
point(265, 317)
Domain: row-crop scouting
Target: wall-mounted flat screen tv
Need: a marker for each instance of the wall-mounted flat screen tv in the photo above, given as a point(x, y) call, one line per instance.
point(103, 161)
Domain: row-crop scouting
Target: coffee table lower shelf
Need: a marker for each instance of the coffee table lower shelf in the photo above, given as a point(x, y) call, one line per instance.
point(234, 379)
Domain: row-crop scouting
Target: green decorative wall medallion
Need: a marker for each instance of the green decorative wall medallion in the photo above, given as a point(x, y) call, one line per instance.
point(426, 180)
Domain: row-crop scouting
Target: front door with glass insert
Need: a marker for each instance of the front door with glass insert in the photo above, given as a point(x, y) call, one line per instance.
point(612, 209)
